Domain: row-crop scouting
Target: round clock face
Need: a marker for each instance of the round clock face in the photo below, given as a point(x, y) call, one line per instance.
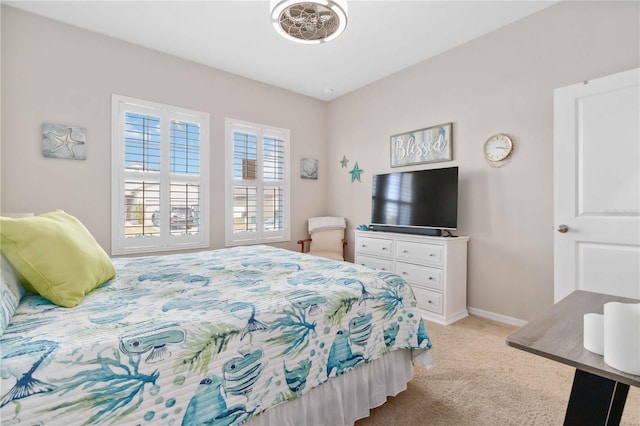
point(498, 147)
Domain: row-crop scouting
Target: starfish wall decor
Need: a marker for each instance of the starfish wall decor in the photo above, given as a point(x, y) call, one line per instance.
point(355, 173)
point(61, 141)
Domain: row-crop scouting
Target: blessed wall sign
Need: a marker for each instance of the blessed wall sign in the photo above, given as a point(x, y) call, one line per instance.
point(428, 145)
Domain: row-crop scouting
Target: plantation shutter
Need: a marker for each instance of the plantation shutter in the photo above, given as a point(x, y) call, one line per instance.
point(258, 186)
point(160, 176)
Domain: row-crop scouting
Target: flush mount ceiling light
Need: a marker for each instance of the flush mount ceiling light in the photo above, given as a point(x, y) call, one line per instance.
point(309, 22)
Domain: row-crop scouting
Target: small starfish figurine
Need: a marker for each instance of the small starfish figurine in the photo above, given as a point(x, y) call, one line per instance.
point(355, 173)
point(344, 161)
point(64, 141)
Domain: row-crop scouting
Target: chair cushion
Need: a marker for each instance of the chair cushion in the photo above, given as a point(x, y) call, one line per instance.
point(328, 254)
point(329, 241)
point(56, 255)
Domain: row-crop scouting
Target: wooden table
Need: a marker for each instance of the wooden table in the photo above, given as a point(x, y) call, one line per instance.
point(599, 392)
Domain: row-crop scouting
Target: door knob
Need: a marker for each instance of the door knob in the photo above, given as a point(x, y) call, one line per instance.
point(563, 228)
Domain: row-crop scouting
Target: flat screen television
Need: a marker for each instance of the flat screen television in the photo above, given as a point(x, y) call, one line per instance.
point(417, 202)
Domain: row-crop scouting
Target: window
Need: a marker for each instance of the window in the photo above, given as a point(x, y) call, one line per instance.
point(257, 190)
point(160, 164)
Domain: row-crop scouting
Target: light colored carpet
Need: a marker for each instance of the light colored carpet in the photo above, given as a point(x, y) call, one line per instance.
point(479, 380)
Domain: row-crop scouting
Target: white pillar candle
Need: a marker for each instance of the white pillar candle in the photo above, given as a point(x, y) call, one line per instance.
point(594, 333)
point(622, 336)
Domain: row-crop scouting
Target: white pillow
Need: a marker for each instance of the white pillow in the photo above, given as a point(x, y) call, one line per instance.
point(11, 292)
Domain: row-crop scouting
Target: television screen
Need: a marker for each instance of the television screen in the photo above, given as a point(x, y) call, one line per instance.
point(417, 199)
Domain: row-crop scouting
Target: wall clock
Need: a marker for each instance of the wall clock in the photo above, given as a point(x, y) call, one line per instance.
point(498, 148)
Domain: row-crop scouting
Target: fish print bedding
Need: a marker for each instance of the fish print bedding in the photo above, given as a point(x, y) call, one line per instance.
point(214, 337)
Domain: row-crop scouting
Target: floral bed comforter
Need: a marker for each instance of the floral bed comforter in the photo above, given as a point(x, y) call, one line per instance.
point(214, 337)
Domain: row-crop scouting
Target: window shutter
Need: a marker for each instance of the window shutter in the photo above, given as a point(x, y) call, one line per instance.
point(160, 177)
point(142, 142)
point(142, 154)
point(185, 148)
point(245, 156)
point(257, 184)
point(274, 173)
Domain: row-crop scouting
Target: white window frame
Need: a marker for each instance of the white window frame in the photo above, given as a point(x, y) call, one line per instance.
point(164, 242)
point(260, 236)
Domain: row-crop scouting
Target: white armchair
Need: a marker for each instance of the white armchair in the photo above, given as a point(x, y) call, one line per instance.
point(326, 237)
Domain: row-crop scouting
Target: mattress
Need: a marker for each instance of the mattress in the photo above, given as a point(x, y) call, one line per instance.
point(215, 337)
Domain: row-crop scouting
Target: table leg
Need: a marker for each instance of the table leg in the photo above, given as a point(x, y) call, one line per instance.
point(595, 400)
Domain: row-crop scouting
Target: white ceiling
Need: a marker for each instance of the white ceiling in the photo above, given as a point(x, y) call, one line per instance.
point(382, 37)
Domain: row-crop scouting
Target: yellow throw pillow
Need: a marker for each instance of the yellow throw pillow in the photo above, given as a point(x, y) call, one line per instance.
point(56, 255)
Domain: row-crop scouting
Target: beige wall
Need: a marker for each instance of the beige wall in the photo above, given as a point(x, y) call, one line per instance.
point(500, 83)
point(55, 73)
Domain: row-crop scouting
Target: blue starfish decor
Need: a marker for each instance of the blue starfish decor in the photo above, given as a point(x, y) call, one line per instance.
point(355, 173)
point(344, 161)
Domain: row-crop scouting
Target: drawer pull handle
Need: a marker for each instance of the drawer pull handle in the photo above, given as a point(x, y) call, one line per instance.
point(430, 278)
point(364, 245)
point(404, 273)
point(384, 248)
point(405, 251)
point(430, 302)
point(383, 269)
point(431, 254)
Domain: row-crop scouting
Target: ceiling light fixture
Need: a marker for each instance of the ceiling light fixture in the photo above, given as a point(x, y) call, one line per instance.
point(309, 22)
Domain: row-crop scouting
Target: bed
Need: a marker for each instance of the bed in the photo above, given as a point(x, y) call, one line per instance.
point(253, 334)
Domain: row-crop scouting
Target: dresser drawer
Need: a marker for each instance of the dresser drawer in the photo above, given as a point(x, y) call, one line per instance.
point(423, 253)
point(375, 246)
point(424, 275)
point(375, 263)
point(428, 300)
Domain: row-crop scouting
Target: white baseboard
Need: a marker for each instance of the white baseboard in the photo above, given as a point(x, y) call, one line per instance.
point(496, 317)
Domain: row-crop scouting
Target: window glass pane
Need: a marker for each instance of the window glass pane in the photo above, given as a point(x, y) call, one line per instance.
point(245, 155)
point(244, 209)
point(141, 204)
point(142, 142)
point(273, 158)
point(273, 209)
point(184, 217)
point(184, 148)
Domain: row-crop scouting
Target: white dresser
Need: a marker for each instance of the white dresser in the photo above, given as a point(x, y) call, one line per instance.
point(436, 268)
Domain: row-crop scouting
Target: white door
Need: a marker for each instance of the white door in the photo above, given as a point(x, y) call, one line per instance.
point(597, 186)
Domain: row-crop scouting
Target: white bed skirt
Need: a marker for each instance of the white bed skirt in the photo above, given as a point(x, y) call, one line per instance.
point(345, 399)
